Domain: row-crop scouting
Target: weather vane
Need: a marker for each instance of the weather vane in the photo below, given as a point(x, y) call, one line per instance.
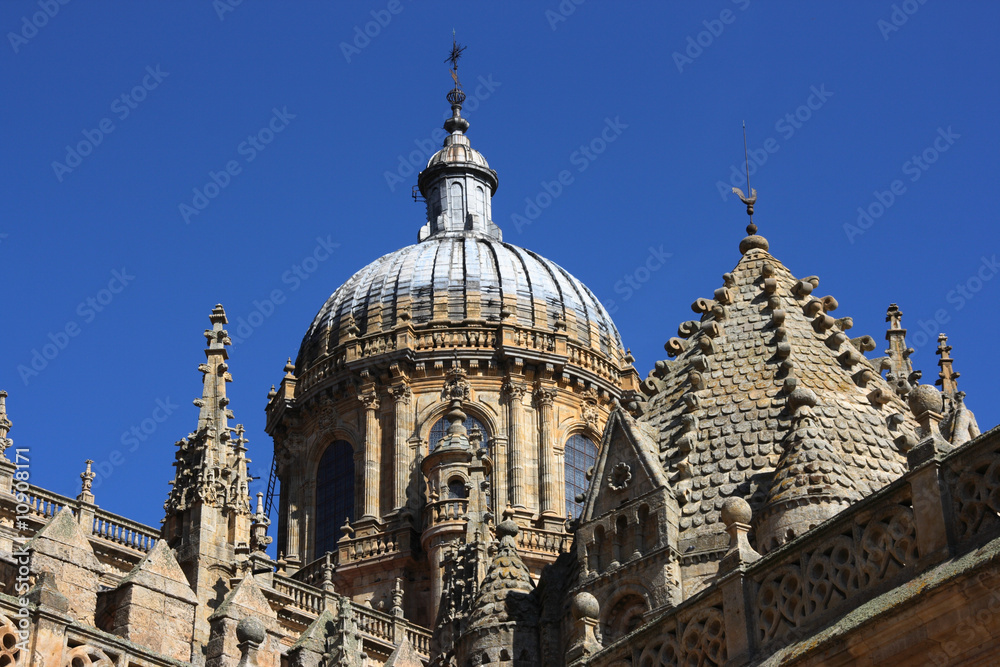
point(752, 199)
point(456, 52)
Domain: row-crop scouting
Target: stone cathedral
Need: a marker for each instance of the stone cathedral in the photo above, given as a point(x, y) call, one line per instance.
point(472, 472)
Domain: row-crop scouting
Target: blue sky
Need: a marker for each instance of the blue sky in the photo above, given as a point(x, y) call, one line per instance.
point(872, 126)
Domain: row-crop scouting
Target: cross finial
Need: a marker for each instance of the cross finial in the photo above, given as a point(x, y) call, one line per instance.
point(453, 57)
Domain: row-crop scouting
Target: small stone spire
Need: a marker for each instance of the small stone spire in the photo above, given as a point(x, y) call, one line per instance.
point(5, 424)
point(900, 374)
point(86, 495)
point(259, 538)
point(947, 377)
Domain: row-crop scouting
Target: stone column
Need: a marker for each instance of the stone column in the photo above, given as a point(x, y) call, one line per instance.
point(515, 444)
point(372, 454)
point(402, 394)
point(544, 397)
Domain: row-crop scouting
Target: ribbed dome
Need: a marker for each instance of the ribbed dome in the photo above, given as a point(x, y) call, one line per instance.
point(458, 150)
point(458, 277)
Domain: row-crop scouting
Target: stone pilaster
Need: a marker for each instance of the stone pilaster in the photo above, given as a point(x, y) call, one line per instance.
point(517, 492)
point(372, 454)
point(547, 496)
point(404, 417)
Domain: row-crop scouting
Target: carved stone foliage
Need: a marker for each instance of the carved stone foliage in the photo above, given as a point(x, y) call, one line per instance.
point(87, 656)
point(975, 492)
point(456, 386)
point(837, 570)
point(700, 642)
point(10, 651)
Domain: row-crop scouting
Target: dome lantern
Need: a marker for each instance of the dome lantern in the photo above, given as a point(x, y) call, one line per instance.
point(458, 183)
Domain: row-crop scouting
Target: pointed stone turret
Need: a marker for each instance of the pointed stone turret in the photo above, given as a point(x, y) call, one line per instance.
point(503, 626)
point(811, 482)
point(208, 509)
point(720, 406)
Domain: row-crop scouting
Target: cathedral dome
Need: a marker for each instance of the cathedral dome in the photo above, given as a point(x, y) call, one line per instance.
point(458, 277)
point(462, 274)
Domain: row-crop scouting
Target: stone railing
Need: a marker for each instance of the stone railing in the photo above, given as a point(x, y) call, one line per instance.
point(124, 532)
point(543, 541)
point(43, 505)
point(450, 509)
point(303, 596)
point(946, 506)
point(384, 629)
point(460, 337)
point(592, 361)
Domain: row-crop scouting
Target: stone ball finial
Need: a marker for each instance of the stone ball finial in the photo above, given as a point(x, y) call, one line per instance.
point(507, 528)
point(924, 398)
point(736, 510)
point(251, 629)
point(585, 605)
point(801, 396)
point(751, 242)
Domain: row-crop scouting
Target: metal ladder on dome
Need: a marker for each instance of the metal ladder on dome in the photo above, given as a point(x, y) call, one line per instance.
point(272, 480)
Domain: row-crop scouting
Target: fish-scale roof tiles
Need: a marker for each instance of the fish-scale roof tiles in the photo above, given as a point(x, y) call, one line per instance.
point(720, 405)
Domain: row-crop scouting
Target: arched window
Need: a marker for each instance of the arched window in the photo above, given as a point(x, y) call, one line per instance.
point(456, 206)
point(581, 455)
point(456, 488)
point(440, 429)
point(334, 494)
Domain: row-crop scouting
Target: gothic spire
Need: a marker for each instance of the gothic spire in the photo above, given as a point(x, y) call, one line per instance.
point(5, 425)
point(211, 465)
point(901, 375)
point(947, 377)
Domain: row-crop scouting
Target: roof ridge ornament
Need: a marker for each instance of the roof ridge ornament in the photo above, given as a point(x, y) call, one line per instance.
point(752, 240)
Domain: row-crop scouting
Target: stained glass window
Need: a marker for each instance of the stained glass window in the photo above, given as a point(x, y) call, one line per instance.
point(439, 430)
point(334, 494)
point(581, 455)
